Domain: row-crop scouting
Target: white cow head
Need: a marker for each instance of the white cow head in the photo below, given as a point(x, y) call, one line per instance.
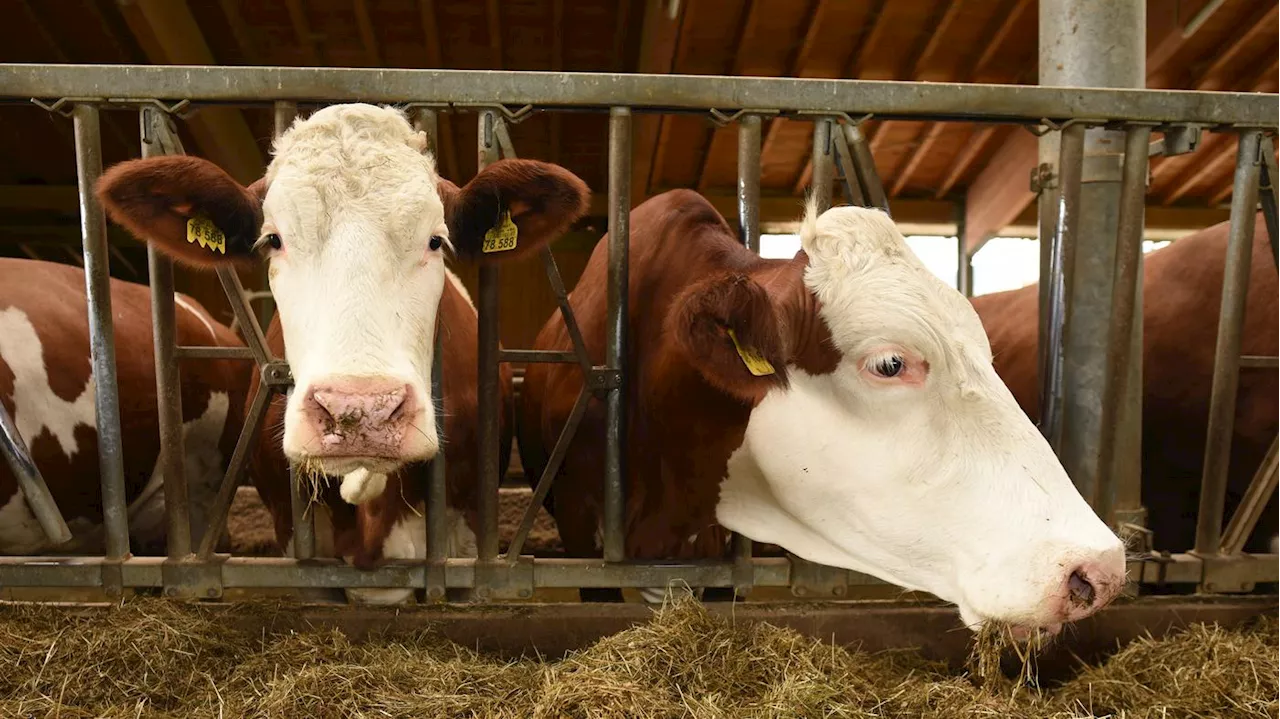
point(894, 448)
point(353, 222)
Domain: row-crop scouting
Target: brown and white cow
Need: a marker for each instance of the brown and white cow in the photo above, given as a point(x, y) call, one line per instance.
point(859, 425)
point(354, 223)
point(47, 385)
point(1182, 291)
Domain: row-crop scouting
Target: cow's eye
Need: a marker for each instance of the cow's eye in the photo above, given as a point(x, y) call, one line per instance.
point(436, 242)
point(888, 367)
point(274, 241)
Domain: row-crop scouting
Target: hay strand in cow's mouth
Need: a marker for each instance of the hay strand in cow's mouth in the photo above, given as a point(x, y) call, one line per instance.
point(155, 658)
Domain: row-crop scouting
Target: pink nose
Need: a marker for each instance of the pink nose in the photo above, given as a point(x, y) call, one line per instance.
point(359, 416)
point(1090, 587)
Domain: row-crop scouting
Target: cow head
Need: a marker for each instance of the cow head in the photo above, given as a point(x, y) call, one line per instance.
point(353, 223)
point(880, 438)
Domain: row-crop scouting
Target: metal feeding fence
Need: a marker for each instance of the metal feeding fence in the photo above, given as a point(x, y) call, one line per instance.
point(840, 153)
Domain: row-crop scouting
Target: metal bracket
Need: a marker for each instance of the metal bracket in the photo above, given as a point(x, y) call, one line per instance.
point(817, 581)
point(178, 108)
point(1226, 574)
point(515, 118)
point(277, 374)
point(192, 578)
point(1181, 139)
point(1104, 167)
point(602, 379)
point(844, 117)
point(504, 580)
point(1043, 178)
point(719, 119)
point(113, 577)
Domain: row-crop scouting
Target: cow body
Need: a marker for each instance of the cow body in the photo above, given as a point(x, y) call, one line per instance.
point(1182, 292)
point(840, 404)
point(46, 384)
point(354, 224)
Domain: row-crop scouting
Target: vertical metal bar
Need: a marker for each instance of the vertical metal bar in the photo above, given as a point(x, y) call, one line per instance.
point(34, 489)
point(1269, 179)
point(864, 165)
point(304, 530)
point(1261, 487)
point(487, 412)
point(1061, 267)
point(285, 113)
point(964, 258)
point(1226, 366)
point(1118, 489)
point(823, 167)
point(843, 157)
point(749, 181)
point(93, 229)
point(177, 501)
point(616, 335)
point(428, 121)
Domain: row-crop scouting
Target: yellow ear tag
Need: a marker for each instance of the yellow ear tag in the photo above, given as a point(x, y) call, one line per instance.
point(202, 231)
point(502, 237)
point(756, 364)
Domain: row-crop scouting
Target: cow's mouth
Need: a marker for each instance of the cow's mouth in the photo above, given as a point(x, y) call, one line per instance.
point(338, 466)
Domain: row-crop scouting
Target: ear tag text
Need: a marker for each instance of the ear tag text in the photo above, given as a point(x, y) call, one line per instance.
point(202, 231)
point(502, 237)
point(756, 364)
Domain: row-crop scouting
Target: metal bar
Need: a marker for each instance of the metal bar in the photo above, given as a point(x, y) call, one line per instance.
point(93, 228)
point(177, 503)
point(285, 113)
point(843, 157)
point(1226, 365)
point(942, 100)
point(487, 395)
point(823, 168)
point(34, 490)
point(245, 444)
point(1258, 362)
point(964, 259)
point(749, 181)
point(864, 165)
point(1269, 180)
point(615, 452)
point(1261, 488)
point(1124, 309)
point(537, 356)
point(566, 311)
point(427, 120)
point(1061, 265)
point(209, 352)
point(437, 484)
point(304, 529)
point(250, 328)
point(549, 472)
point(258, 572)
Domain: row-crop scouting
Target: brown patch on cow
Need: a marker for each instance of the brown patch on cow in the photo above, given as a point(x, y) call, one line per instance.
point(689, 395)
point(154, 197)
point(543, 199)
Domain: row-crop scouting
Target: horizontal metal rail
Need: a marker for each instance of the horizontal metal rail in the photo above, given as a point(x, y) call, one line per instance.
point(943, 100)
point(263, 572)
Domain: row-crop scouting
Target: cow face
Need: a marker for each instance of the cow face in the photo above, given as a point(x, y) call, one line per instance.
point(899, 452)
point(353, 222)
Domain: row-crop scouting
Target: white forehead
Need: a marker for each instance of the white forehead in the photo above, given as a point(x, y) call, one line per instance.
point(873, 288)
point(353, 159)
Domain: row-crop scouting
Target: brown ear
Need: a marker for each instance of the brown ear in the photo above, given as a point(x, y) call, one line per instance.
point(701, 319)
point(153, 199)
point(543, 201)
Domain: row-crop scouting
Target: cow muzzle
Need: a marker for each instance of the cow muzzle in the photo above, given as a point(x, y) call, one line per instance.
point(376, 423)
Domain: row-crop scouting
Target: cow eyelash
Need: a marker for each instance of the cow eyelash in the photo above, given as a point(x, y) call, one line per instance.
point(888, 366)
point(271, 240)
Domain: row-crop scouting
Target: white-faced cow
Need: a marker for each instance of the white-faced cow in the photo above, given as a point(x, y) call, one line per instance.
point(841, 405)
point(1182, 291)
point(354, 223)
point(48, 387)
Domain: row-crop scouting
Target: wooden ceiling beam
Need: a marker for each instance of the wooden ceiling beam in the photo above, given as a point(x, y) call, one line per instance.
point(447, 152)
point(302, 31)
point(972, 150)
point(240, 30)
point(169, 35)
point(659, 40)
point(1216, 75)
point(557, 65)
point(745, 28)
point(1005, 20)
point(368, 37)
point(796, 68)
point(493, 16)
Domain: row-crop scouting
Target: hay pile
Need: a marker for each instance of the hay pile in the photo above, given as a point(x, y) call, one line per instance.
point(156, 659)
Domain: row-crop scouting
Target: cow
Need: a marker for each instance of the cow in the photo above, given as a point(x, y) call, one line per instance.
point(1182, 292)
point(48, 387)
point(354, 224)
point(841, 405)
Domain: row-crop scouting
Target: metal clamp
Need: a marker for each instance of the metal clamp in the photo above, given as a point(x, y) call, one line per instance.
point(1043, 178)
point(515, 118)
point(603, 379)
point(276, 374)
point(1046, 126)
point(1223, 574)
point(193, 578)
point(719, 119)
point(844, 117)
point(178, 108)
point(505, 579)
point(817, 581)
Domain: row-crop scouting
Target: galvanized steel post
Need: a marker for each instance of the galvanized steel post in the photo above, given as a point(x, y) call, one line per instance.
point(1226, 365)
point(487, 396)
point(102, 345)
point(615, 462)
point(1089, 44)
point(964, 258)
point(749, 181)
point(823, 164)
point(33, 487)
point(177, 504)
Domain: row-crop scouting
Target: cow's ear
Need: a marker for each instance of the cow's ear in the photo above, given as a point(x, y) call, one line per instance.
point(187, 207)
point(728, 327)
point(512, 209)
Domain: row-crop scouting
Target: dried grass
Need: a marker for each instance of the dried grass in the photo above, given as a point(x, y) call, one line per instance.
point(151, 658)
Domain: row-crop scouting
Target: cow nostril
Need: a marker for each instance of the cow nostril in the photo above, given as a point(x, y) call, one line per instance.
point(1080, 591)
